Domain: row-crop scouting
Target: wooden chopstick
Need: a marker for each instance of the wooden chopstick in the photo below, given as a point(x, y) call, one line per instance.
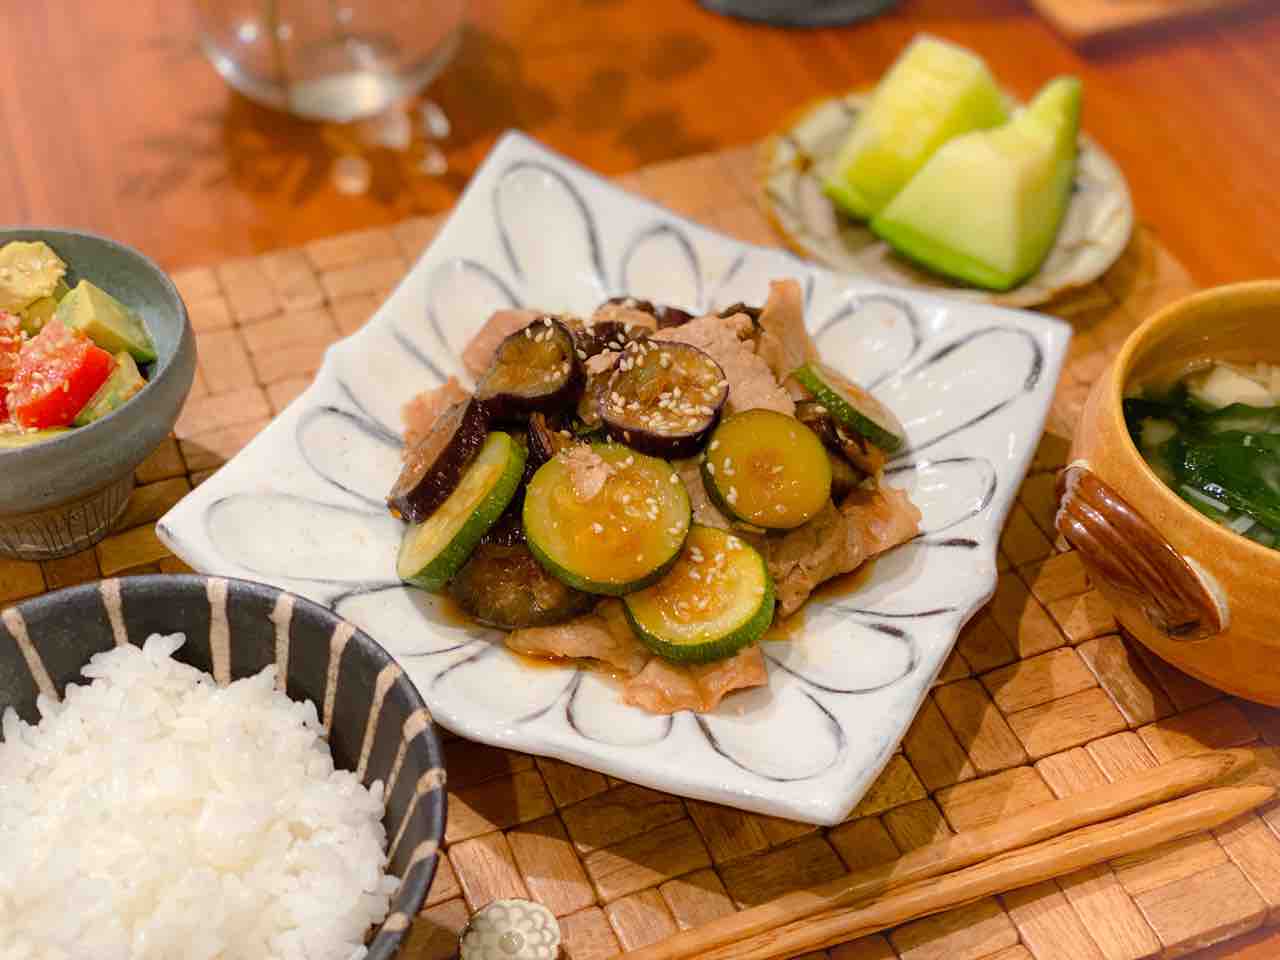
point(1017, 868)
point(1034, 825)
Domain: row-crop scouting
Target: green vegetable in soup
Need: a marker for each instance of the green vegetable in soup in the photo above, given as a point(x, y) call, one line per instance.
point(1222, 460)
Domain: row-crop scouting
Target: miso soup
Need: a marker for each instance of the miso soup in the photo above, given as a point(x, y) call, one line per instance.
point(1213, 437)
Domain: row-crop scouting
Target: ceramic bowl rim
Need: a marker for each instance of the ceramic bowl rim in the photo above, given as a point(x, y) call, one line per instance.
point(90, 434)
point(1220, 538)
point(171, 583)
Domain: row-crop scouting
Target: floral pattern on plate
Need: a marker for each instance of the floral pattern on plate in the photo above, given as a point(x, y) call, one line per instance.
point(302, 506)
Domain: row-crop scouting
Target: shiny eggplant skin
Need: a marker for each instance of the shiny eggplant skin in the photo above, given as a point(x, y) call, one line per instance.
point(864, 456)
point(534, 370)
point(433, 469)
point(546, 439)
point(506, 587)
point(664, 314)
point(664, 399)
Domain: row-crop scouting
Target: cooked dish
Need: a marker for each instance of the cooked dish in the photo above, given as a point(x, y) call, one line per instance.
point(68, 356)
point(152, 814)
point(1213, 437)
point(646, 489)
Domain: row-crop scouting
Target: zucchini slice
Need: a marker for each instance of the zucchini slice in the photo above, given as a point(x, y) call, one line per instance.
point(767, 469)
point(605, 519)
point(852, 406)
point(434, 550)
point(717, 599)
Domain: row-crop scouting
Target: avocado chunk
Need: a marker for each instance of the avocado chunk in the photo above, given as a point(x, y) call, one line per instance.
point(987, 206)
point(106, 321)
point(29, 270)
point(934, 91)
point(13, 439)
point(124, 383)
point(36, 315)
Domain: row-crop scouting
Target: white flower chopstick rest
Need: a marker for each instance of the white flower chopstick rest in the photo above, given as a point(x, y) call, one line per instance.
point(511, 930)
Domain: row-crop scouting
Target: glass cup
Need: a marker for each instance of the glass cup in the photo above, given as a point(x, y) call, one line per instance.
point(334, 60)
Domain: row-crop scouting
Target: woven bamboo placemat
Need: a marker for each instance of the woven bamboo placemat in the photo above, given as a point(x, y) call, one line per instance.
point(1041, 698)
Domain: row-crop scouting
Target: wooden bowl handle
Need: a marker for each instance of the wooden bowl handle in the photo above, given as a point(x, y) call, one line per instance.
point(1126, 554)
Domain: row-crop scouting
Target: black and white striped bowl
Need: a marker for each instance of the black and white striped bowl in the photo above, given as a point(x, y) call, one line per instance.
point(377, 723)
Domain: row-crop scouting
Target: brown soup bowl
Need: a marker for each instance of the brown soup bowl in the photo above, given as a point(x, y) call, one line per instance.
point(1200, 596)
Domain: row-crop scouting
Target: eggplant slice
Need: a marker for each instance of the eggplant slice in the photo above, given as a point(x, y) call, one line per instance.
point(546, 439)
point(433, 469)
point(606, 335)
point(535, 369)
point(505, 587)
point(664, 398)
point(854, 449)
point(665, 315)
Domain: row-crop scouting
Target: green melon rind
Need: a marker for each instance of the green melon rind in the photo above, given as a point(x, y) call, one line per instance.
point(845, 412)
point(750, 629)
point(442, 568)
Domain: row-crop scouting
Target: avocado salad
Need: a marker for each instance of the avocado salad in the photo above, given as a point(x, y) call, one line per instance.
point(646, 489)
point(1213, 438)
point(68, 355)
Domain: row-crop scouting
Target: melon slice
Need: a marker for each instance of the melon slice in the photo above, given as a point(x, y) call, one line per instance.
point(934, 91)
point(987, 206)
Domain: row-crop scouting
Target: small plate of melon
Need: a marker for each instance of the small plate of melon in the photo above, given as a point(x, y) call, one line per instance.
point(938, 179)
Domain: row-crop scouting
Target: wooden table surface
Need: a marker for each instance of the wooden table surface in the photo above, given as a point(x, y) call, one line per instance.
point(116, 123)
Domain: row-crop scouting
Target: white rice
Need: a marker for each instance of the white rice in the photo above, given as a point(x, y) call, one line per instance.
point(153, 814)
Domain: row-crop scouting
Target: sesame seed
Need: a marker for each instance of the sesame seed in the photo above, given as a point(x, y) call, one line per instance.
point(779, 508)
point(675, 478)
point(732, 496)
point(711, 468)
point(597, 528)
point(639, 558)
point(714, 445)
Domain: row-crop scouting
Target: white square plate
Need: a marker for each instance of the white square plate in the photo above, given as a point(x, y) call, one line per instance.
point(302, 506)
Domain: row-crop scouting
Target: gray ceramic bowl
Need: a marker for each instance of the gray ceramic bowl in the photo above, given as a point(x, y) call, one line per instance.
point(63, 495)
point(378, 725)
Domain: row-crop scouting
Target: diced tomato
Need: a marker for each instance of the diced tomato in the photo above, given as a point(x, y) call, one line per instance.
point(58, 372)
point(10, 344)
